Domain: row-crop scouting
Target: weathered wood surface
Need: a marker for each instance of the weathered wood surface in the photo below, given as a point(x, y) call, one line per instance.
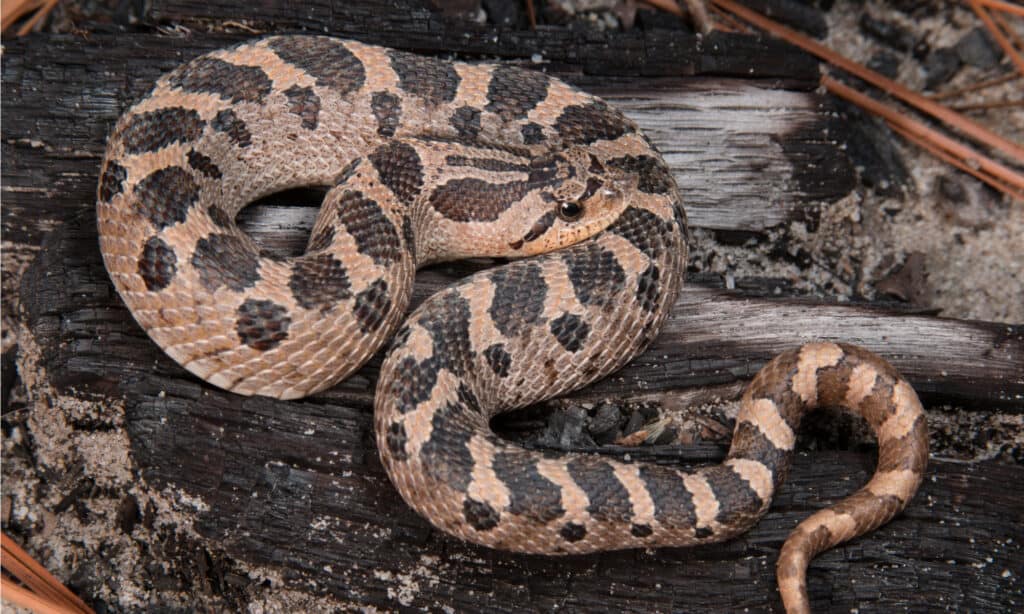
point(747, 157)
point(414, 25)
point(298, 486)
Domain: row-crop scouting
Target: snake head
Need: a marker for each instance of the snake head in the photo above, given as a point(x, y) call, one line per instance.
point(582, 198)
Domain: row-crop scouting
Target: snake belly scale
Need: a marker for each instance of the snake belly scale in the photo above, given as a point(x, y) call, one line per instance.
point(427, 160)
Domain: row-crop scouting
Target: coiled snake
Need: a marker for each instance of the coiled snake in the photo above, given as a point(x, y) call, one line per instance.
point(429, 160)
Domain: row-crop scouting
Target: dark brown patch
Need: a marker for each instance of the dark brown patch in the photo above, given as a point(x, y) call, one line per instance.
point(396, 440)
point(326, 59)
point(532, 134)
point(226, 260)
point(166, 195)
point(157, 129)
point(475, 200)
point(466, 121)
point(204, 164)
point(446, 317)
point(399, 168)
point(673, 504)
point(387, 108)
point(488, 164)
point(738, 503)
point(590, 123)
point(220, 217)
point(609, 499)
point(373, 233)
point(445, 455)
point(432, 79)
point(572, 532)
point(319, 281)
point(531, 494)
point(480, 515)
point(750, 443)
point(304, 102)
point(654, 176)
point(230, 124)
point(409, 236)
point(498, 359)
point(570, 330)
point(112, 181)
point(348, 172)
point(595, 273)
point(909, 452)
point(641, 530)
point(646, 231)
point(157, 265)
point(519, 292)
point(413, 383)
point(372, 306)
point(262, 325)
point(228, 81)
point(648, 289)
point(513, 92)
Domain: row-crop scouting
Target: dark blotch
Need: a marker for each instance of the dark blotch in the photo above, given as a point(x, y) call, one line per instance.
point(648, 289)
point(673, 504)
point(157, 129)
point(396, 440)
point(513, 92)
point(487, 164)
point(319, 281)
point(609, 499)
point(157, 265)
point(446, 317)
point(204, 164)
point(572, 532)
point(532, 134)
point(748, 442)
point(230, 124)
point(225, 260)
point(229, 81)
point(595, 273)
point(480, 515)
point(641, 530)
point(654, 177)
point(570, 330)
point(432, 79)
point(738, 503)
point(326, 59)
point(498, 359)
point(304, 102)
point(112, 181)
point(409, 236)
point(262, 325)
point(518, 302)
point(399, 168)
point(414, 381)
point(372, 231)
point(466, 121)
point(532, 495)
point(166, 195)
point(372, 306)
point(387, 108)
point(592, 122)
point(219, 217)
point(321, 240)
point(646, 231)
point(475, 200)
point(445, 455)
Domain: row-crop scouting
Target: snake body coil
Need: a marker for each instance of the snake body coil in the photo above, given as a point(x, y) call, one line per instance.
point(428, 160)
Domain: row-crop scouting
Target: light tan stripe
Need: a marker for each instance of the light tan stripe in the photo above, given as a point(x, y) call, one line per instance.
point(704, 502)
point(898, 425)
point(485, 485)
point(764, 414)
point(900, 483)
point(862, 382)
point(574, 500)
point(639, 498)
point(756, 475)
point(905, 399)
point(813, 356)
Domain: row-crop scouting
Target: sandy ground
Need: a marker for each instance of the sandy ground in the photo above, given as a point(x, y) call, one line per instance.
point(947, 244)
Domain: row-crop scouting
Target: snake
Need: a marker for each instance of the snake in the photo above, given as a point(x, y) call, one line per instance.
point(425, 160)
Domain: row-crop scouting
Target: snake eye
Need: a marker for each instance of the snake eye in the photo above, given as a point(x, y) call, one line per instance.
point(569, 211)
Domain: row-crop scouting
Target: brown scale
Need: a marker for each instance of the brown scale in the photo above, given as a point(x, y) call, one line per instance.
point(426, 160)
